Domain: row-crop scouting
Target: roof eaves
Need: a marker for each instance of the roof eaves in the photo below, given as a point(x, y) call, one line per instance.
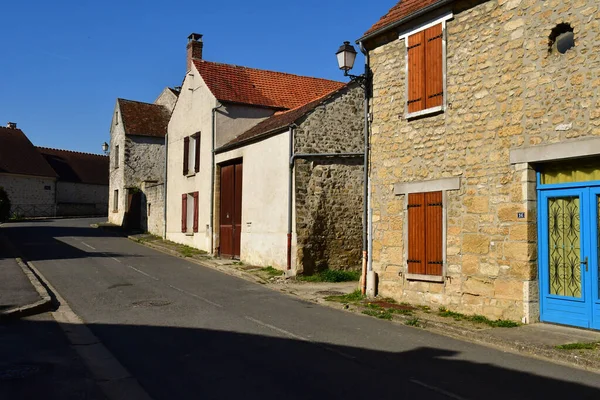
point(404, 20)
point(253, 139)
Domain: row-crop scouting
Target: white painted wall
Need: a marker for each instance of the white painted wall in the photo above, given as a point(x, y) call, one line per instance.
point(116, 175)
point(192, 113)
point(264, 201)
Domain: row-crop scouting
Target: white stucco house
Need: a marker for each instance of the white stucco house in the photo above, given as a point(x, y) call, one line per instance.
point(228, 162)
point(137, 162)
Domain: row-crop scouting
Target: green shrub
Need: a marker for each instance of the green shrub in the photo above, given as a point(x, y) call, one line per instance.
point(330, 275)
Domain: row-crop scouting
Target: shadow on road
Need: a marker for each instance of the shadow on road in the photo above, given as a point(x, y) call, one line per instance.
point(182, 363)
point(42, 242)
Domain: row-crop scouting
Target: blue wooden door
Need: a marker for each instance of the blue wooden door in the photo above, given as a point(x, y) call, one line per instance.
point(568, 228)
point(594, 262)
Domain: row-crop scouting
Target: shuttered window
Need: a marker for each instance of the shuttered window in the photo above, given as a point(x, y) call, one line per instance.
point(425, 69)
point(195, 195)
point(197, 152)
point(186, 154)
point(184, 212)
point(425, 233)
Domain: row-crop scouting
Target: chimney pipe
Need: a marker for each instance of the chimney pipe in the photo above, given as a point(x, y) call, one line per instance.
point(194, 49)
point(11, 125)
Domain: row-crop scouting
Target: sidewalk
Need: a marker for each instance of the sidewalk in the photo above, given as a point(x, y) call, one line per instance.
point(21, 293)
point(574, 347)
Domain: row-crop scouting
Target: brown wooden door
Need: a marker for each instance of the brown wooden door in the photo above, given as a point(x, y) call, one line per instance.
point(230, 210)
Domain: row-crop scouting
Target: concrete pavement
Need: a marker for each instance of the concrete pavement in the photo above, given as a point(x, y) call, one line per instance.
point(184, 331)
point(21, 293)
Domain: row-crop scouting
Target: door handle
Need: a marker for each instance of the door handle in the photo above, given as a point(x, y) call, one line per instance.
point(586, 263)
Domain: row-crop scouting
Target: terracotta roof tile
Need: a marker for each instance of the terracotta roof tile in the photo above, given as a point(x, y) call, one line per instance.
point(144, 119)
point(401, 10)
point(232, 83)
point(19, 156)
point(282, 120)
point(73, 166)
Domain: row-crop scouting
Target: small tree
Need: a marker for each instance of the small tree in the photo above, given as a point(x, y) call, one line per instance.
point(4, 205)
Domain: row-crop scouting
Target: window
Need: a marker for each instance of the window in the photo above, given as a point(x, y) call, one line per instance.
point(116, 118)
point(426, 68)
point(116, 201)
point(191, 153)
point(189, 214)
point(116, 152)
point(425, 234)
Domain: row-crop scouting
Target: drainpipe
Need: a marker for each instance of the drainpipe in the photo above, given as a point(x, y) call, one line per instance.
point(165, 187)
point(366, 200)
point(212, 179)
point(290, 199)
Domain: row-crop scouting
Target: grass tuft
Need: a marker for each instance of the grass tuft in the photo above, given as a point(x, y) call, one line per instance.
point(478, 319)
point(413, 322)
point(579, 346)
point(353, 297)
point(272, 271)
point(330, 275)
point(381, 314)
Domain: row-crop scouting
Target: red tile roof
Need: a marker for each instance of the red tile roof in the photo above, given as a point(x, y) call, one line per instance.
point(232, 83)
point(72, 166)
point(19, 156)
point(400, 11)
point(144, 119)
point(281, 121)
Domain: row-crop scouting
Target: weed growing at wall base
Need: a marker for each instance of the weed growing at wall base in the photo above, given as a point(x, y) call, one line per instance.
point(330, 275)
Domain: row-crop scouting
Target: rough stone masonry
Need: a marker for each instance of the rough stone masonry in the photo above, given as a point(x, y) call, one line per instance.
point(506, 89)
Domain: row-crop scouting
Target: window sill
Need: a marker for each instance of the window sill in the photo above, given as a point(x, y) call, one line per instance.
point(425, 278)
point(114, 211)
point(429, 111)
point(189, 233)
point(190, 175)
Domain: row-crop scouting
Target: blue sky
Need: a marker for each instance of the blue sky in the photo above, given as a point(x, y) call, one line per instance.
point(64, 62)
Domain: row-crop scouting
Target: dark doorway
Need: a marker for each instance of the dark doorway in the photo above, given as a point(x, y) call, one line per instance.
point(230, 231)
point(133, 213)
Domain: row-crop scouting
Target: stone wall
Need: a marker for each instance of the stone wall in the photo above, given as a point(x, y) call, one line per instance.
point(153, 202)
point(329, 191)
point(30, 196)
point(505, 90)
point(81, 199)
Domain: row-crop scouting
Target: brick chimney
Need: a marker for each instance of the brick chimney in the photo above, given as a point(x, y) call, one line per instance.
point(194, 49)
point(11, 125)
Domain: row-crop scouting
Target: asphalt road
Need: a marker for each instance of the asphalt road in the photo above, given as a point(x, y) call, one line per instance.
point(188, 332)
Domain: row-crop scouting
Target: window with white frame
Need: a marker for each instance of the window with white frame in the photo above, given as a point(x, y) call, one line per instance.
point(191, 154)
point(426, 68)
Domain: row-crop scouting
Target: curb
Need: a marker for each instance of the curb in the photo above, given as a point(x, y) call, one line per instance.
point(38, 307)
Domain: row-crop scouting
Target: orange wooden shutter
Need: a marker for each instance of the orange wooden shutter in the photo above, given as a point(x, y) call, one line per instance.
point(195, 211)
point(433, 233)
point(434, 71)
point(416, 72)
point(184, 212)
point(416, 233)
point(197, 153)
point(186, 155)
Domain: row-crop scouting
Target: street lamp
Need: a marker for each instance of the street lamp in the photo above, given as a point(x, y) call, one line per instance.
point(346, 55)
point(105, 147)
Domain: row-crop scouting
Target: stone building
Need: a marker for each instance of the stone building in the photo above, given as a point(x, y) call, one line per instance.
point(137, 162)
point(235, 203)
point(326, 211)
point(82, 183)
point(485, 152)
point(25, 175)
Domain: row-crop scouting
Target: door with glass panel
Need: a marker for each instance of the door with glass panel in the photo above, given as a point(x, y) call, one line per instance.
point(569, 256)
